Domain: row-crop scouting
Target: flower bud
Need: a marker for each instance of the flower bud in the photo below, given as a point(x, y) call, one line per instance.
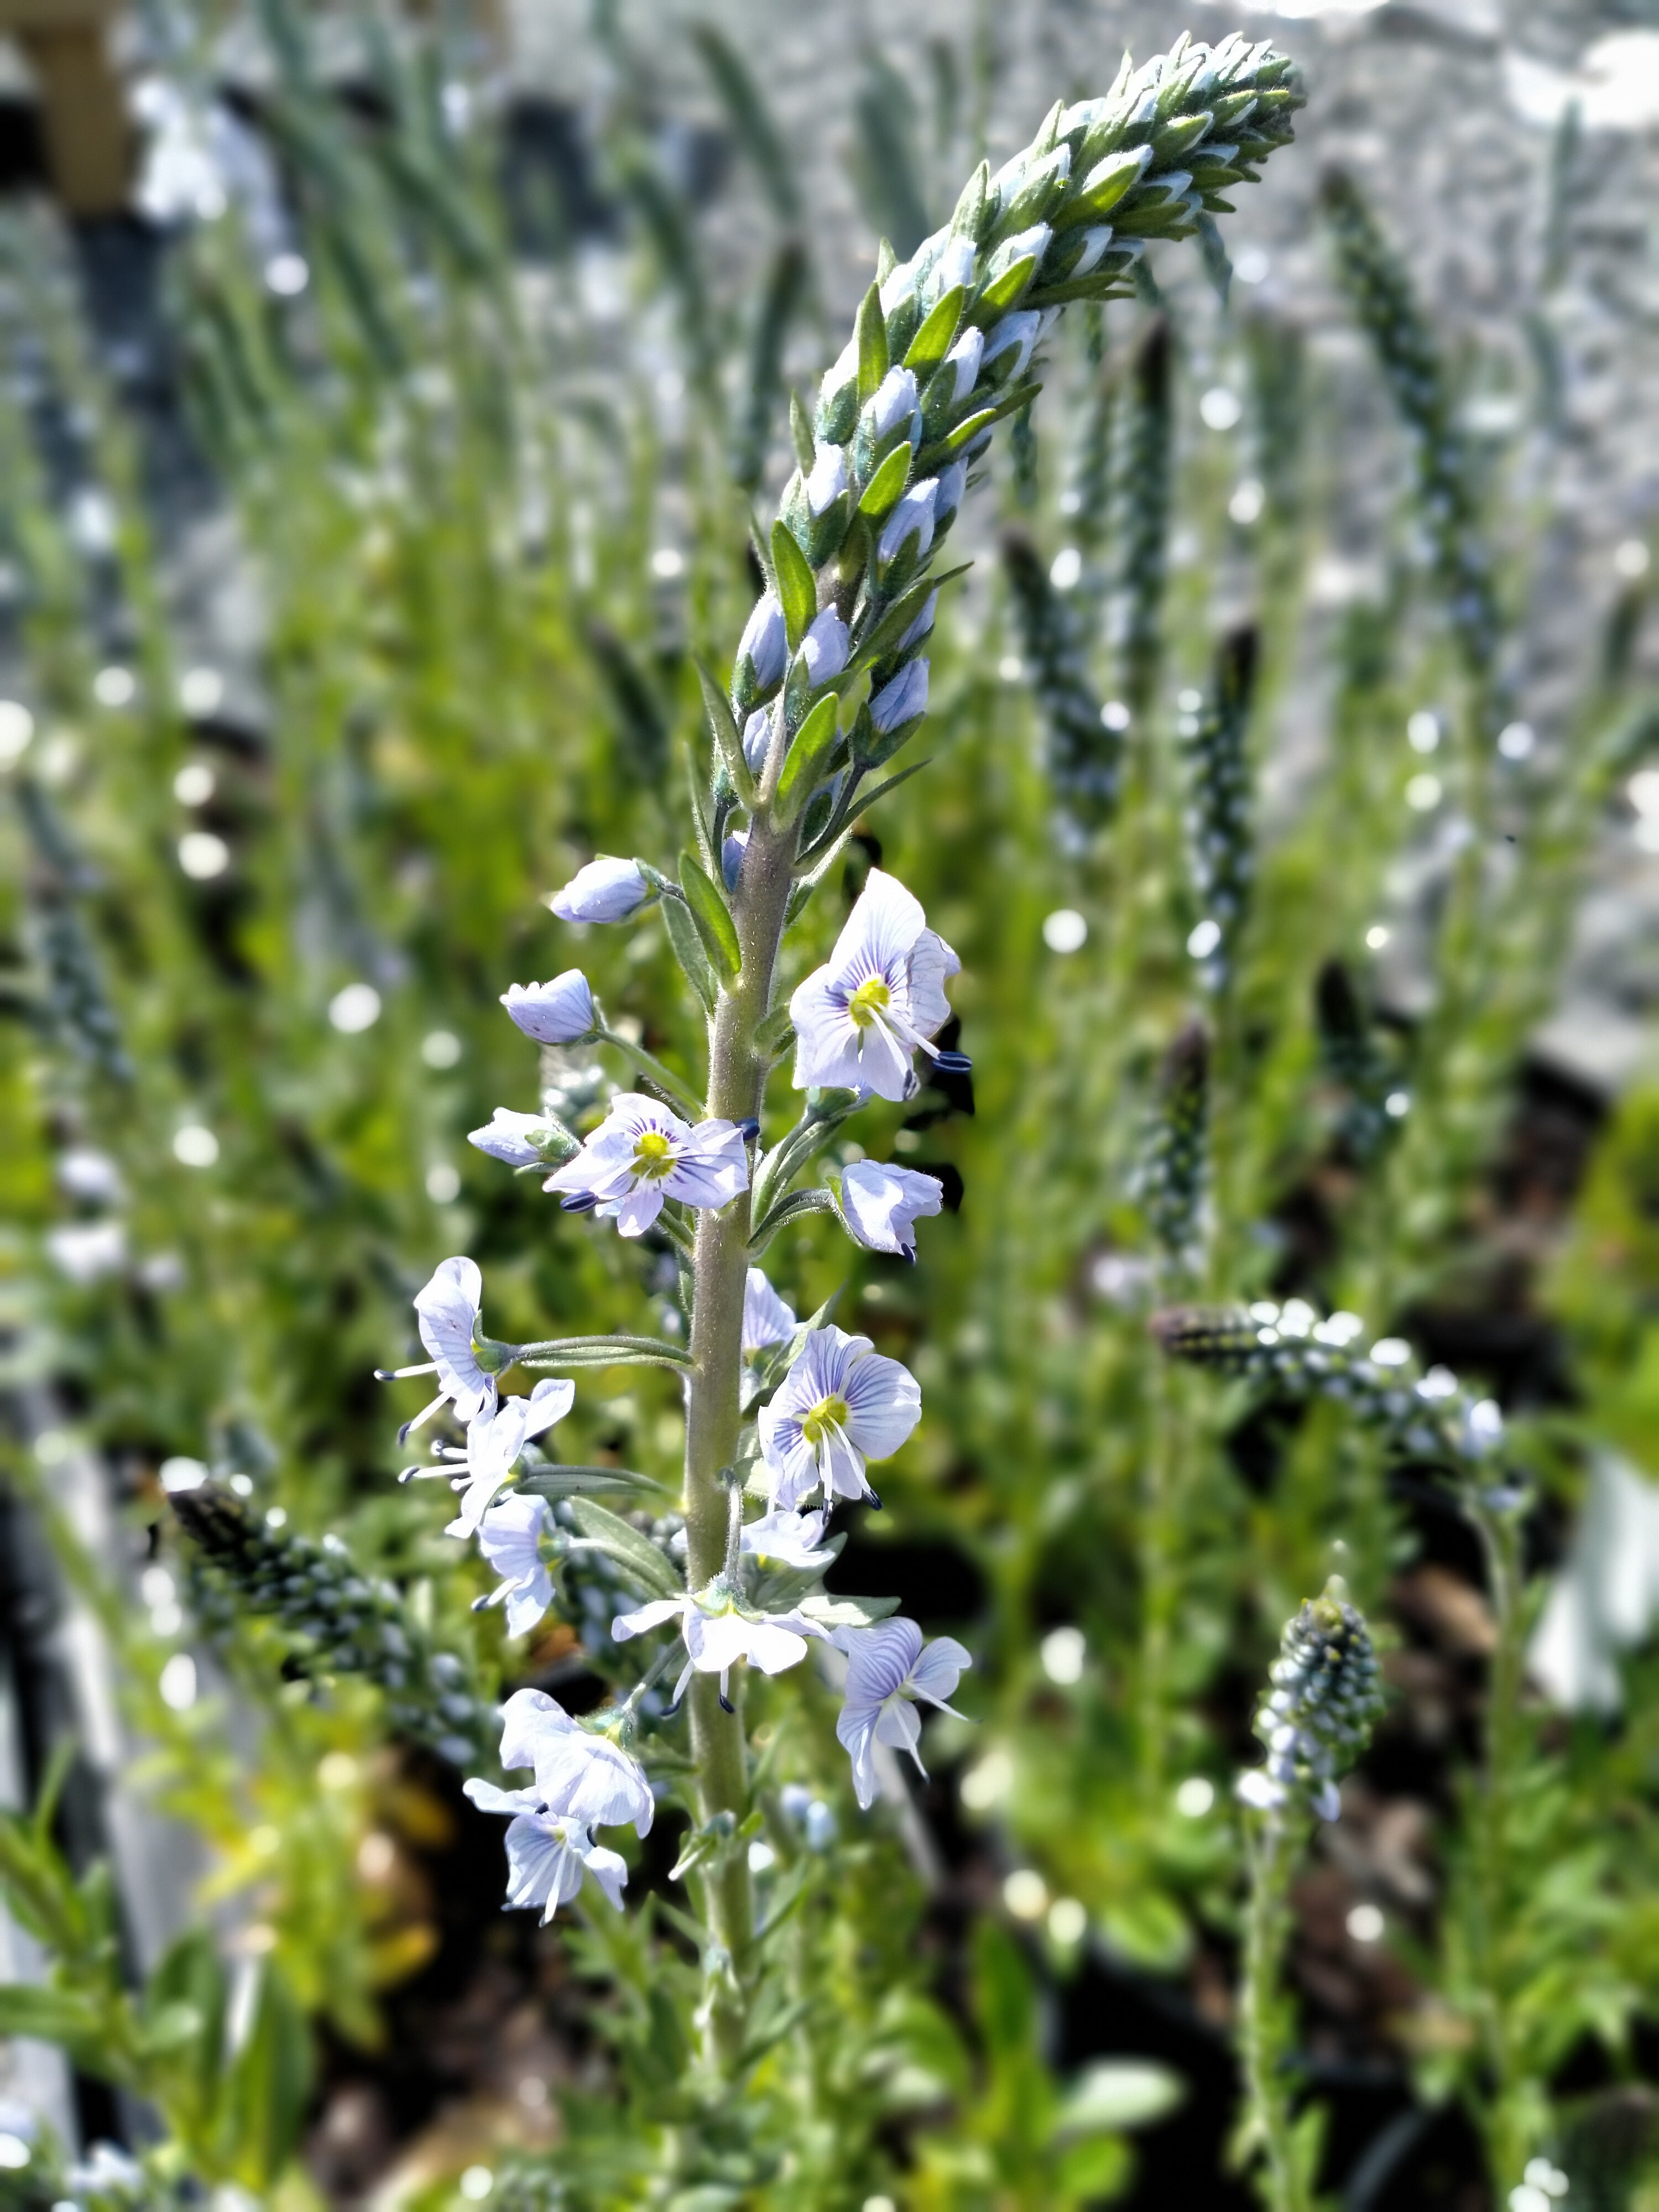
point(606, 889)
point(559, 1012)
point(901, 700)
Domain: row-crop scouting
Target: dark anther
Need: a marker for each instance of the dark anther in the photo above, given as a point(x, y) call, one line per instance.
point(409, 1474)
point(953, 1063)
point(749, 1130)
point(384, 1375)
point(872, 1501)
point(579, 1202)
point(403, 1433)
point(727, 1705)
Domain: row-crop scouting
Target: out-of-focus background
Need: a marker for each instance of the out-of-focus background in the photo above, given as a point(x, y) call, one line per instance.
point(383, 394)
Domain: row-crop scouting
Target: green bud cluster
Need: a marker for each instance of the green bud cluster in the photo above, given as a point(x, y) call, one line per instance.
point(1419, 1416)
point(77, 1005)
point(1084, 753)
point(1173, 1173)
point(1317, 1718)
point(345, 1622)
point(1220, 847)
point(1140, 505)
point(1377, 282)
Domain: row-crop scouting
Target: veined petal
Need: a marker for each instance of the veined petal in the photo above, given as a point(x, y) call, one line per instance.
point(883, 1403)
point(766, 1318)
point(856, 1729)
point(634, 1214)
point(935, 1674)
point(647, 1617)
point(447, 1314)
point(899, 1727)
point(488, 1797)
point(879, 1658)
point(882, 927)
point(826, 1041)
point(609, 1870)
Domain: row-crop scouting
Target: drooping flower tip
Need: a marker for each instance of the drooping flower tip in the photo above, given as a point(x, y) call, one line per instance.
point(494, 1442)
point(606, 889)
point(888, 1670)
point(767, 1320)
point(881, 1205)
point(582, 1773)
point(559, 1012)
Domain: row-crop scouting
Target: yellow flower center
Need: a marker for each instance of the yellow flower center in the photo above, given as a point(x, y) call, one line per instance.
point(830, 1414)
point(654, 1155)
point(868, 1002)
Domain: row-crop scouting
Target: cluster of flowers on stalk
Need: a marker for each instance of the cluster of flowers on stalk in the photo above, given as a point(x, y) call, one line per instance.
point(830, 682)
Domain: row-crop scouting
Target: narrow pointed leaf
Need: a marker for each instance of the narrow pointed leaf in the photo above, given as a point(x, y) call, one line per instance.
point(709, 912)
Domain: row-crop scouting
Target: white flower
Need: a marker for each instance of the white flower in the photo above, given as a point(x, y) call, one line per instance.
point(841, 1404)
point(894, 401)
point(580, 1774)
point(881, 1205)
point(887, 1670)
point(85, 1173)
point(719, 1629)
point(965, 357)
point(825, 646)
point(758, 739)
point(786, 1540)
point(511, 1137)
point(510, 1537)
point(955, 266)
point(953, 483)
point(1021, 332)
point(829, 478)
point(924, 621)
point(84, 1251)
point(494, 1442)
point(640, 1154)
point(1096, 240)
point(547, 1858)
point(447, 1313)
point(913, 517)
point(877, 998)
point(901, 700)
point(764, 641)
point(606, 889)
point(766, 1318)
point(559, 1012)
point(1023, 245)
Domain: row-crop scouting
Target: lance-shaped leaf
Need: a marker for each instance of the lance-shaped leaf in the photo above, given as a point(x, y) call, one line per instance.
point(636, 1555)
point(814, 741)
point(873, 360)
point(836, 1611)
point(688, 951)
point(723, 726)
point(712, 918)
point(889, 481)
point(933, 340)
point(562, 1481)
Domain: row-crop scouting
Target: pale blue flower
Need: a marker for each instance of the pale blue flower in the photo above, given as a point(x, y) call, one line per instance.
point(546, 1857)
point(494, 1441)
point(953, 483)
point(828, 479)
point(912, 517)
point(964, 360)
point(447, 1311)
point(510, 1538)
point(1096, 240)
point(606, 889)
point(764, 641)
point(879, 998)
point(766, 1319)
point(1020, 333)
point(888, 1669)
point(825, 646)
point(787, 1539)
point(881, 1204)
point(719, 1628)
point(841, 1405)
point(512, 1138)
point(1023, 245)
point(641, 1153)
point(732, 849)
point(893, 402)
point(901, 700)
point(559, 1012)
point(580, 1773)
point(758, 739)
point(954, 267)
point(922, 626)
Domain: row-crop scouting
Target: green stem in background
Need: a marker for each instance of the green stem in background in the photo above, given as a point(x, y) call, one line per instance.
point(1501, 2112)
point(1261, 2023)
point(666, 1081)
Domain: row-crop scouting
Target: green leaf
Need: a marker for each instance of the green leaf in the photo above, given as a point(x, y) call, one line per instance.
point(592, 1482)
point(776, 1031)
point(837, 1612)
point(889, 481)
point(800, 434)
point(797, 590)
point(1003, 291)
point(968, 218)
point(813, 742)
point(1102, 188)
point(933, 340)
point(619, 1541)
point(1115, 2094)
point(873, 362)
point(727, 743)
point(50, 2016)
point(688, 951)
point(267, 2087)
point(712, 918)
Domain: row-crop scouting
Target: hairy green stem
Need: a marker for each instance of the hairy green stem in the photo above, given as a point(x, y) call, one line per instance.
point(1260, 2041)
point(736, 1077)
point(1500, 2114)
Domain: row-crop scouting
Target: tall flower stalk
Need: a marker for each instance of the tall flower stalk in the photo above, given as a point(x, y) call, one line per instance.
point(827, 685)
